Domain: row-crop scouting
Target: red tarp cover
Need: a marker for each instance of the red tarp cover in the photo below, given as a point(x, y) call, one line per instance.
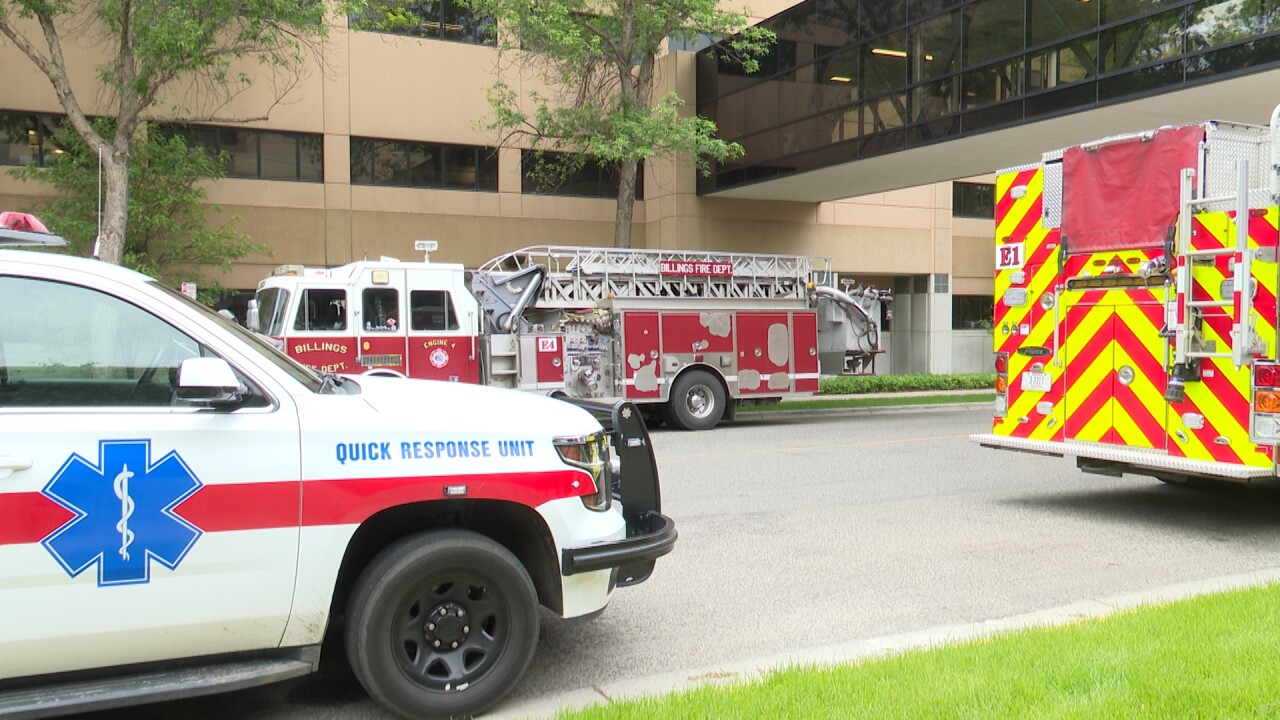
point(1124, 196)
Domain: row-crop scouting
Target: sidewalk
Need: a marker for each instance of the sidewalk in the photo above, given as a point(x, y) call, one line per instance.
point(746, 670)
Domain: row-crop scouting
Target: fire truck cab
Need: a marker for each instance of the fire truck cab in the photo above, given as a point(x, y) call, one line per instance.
point(412, 319)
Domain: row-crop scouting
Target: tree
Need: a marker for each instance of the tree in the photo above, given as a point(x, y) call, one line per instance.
point(169, 236)
point(154, 46)
point(597, 59)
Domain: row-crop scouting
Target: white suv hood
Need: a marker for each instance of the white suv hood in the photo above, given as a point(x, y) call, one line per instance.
point(465, 407)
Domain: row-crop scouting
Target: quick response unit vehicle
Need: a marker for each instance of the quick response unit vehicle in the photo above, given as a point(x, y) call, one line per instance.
point(185, 509)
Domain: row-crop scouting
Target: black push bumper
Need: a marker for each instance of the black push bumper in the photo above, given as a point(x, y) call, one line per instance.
point(650, 534)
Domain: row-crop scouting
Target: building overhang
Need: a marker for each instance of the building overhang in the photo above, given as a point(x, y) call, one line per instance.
point(1247, 99)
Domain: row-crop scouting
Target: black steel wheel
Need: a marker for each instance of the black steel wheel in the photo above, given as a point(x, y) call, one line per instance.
point(442, 624)
point(697, 401)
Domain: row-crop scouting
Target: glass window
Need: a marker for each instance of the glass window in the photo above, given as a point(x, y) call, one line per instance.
point(884, 65)
point(1212, 23)
point(311, 158)
point(241, 147)
point(279, 160)
point(973, 200)
point(487, 172)
point(1113, 10)
point(935, 99)
point(437, 19)
point(381, 310)
point(322, 310)
point(552, 173)
point(994, 29)
point(272, 304)
point(935, 46)
point(836, 80)
point(28, 139)
point(992, 84)
point(361, 161)
point(1142, 42)
point(424, 166)
point(431, 310)
point(1055, 19)
point(1062, 65)
point(79, 347)
point(460, 168)
point(971, 312)
point(390, 164)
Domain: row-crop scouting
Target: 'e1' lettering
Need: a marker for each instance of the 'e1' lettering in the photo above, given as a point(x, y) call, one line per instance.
point(1009, 255)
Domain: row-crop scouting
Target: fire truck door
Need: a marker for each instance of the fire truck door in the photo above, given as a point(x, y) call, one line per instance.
point(380, 323)
point(764, 353)
point(441, 346)
point(1115, 376)
point(640, 345)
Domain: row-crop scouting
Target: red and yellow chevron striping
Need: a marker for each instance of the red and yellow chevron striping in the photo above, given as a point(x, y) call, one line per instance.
point(1217, 405)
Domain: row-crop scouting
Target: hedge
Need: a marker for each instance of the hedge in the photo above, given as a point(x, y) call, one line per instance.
point(855, 384)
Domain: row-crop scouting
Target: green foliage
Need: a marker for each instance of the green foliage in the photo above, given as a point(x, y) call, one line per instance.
point(597, 58)
point(153, 46)
point(170, 236)
point(912, 382)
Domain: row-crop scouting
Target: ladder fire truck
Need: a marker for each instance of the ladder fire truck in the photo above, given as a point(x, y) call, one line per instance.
point(687, 336)
point(1135, 304)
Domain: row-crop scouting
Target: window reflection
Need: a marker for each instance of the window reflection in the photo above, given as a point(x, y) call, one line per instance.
point(894, 73)
point(423, 165)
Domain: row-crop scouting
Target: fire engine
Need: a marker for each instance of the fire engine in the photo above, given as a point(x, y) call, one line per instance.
point(1135, 304)
point(185, 510)
point(688, 336)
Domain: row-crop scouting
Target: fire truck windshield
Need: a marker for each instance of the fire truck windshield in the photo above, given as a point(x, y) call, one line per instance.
point(272, 303)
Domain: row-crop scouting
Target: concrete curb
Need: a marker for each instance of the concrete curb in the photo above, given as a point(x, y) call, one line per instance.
point(747, 670)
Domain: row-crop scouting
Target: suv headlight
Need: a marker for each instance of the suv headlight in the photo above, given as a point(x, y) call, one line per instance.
point(591, 453)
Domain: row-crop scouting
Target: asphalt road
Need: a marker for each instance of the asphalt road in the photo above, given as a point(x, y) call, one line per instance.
point(807, 531)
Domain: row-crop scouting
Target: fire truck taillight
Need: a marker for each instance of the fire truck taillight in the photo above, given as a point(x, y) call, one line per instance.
point(1266, 375)
point(1002, 384)
point(1266, 402)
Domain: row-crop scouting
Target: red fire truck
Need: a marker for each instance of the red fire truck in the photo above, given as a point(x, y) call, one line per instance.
point(1135, 304)
point(688, 336)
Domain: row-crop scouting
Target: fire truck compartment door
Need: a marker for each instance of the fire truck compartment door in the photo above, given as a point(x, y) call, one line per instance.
point(1115, 377)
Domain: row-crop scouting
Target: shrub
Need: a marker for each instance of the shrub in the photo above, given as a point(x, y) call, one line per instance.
point(857, 384)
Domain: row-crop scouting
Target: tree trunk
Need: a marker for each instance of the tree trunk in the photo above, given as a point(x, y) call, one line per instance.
point(626, 203)
point(115, 208)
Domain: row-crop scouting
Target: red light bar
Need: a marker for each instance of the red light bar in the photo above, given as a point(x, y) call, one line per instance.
point(25, 222)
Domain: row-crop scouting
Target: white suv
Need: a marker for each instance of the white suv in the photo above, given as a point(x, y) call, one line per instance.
point(173, 487)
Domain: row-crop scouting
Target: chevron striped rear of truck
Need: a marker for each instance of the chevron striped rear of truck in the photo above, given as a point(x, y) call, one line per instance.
point(1135, 322)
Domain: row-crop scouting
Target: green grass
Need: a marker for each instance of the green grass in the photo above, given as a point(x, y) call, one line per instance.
point(911, 382)
point(833, 403)
point(1216, 656)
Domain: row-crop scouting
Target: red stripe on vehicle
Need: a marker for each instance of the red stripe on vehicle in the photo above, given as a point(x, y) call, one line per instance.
point(31, 517)
point(339, 502)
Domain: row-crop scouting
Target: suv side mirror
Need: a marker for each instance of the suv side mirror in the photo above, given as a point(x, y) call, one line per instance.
point(209, 380)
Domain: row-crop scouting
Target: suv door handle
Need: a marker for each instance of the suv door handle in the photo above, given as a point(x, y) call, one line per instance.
point(14, 462)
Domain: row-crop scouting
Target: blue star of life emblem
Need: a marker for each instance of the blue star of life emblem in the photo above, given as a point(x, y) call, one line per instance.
point(123, 509)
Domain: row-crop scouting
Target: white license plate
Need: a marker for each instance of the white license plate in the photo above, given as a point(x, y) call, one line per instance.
point(1036, 381)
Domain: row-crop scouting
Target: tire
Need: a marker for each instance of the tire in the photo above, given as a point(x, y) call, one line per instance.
point(486, 613)
point(697, 401)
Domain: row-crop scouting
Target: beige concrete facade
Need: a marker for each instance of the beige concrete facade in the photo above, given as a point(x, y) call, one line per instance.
point(390, 87)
